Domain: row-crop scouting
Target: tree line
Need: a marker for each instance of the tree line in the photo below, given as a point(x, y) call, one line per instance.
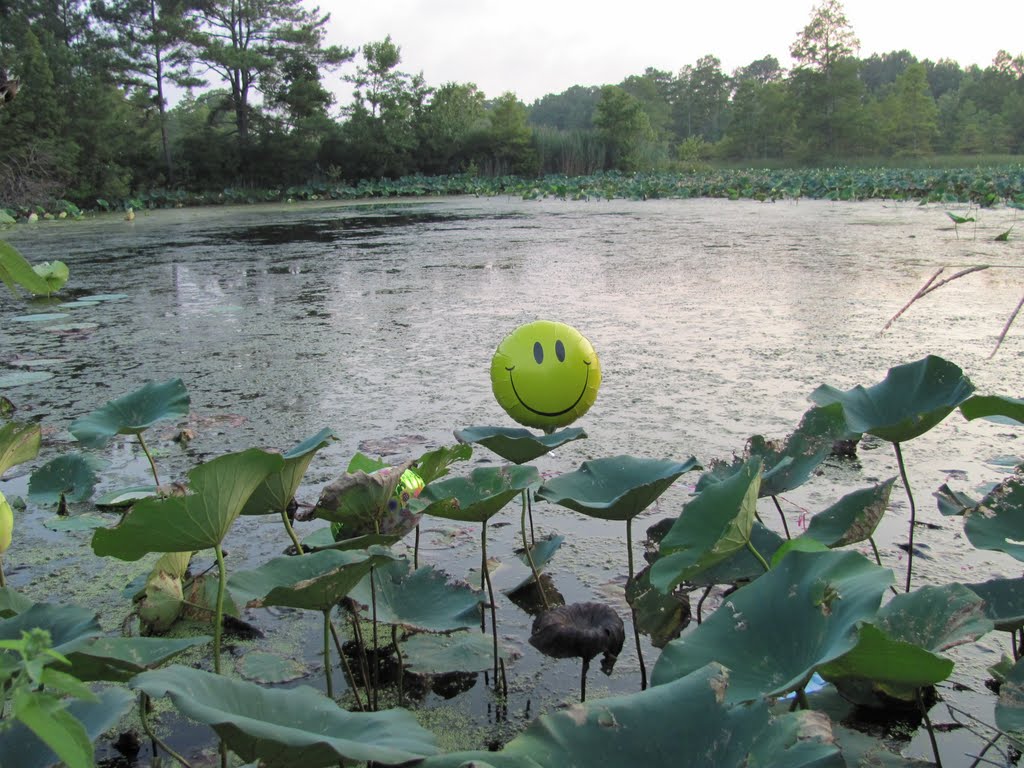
point(84, 111)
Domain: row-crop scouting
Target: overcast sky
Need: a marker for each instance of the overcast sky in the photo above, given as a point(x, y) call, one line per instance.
point(535, 47)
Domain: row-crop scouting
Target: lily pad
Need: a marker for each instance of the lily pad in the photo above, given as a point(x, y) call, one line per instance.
point(615, 488)
point(133, 413)
point(478, 497)
point(261, 667)
point(118, 659)
point(776, 631)
point(853, 518)
point(38, 362)
point(276, 492)
point(656, 614)
point(422, 599)
point(613, 732)
point(40, 317)
point(18, 443)
point(125, 497)
point(72, 476)
point(715, 525)
point(911, 399)
point(515, 444)
point(23, 378)
point(997, 522)
point(196, 521)
point(458, 652)
point(283, 727)
point(97, 297)
point(83, 522)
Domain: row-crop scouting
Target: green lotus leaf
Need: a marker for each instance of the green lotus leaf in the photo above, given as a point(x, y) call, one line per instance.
point(861, 750)
point(364, 503)
point(423, 599)
point(20, 747)
point(16, 271)
point(40, 317)
point(952, 503)
point(261, 667)
point(911, 399)
point(23, 378)
point(613, 732)
point(741, 565)
point(853, 518)
point(478, 497)
point(789, 464)
point(614, 488)
point(516, 444)
point(284, 727)
point(276, 492)
point(457, 652)
point(776, 631)
point(322, 538)
point(70, 626)
point(997, 522)
point(799, 544)
point(360, 462)
point(118, 659)
point(656, 614)
point(125, 497)
point(199, 520)
point(133, 413)
point(315, 581)
point(1002, 410)
point(541, 551)
point(935, 617)
point(714, 525)
point(72, 476)
point(1004, 602)
point(435, 464)
point(18, 443)
point(83, 522)
point(1010, 706)
point(13, 603)
point(55, 273)
point(98, 297)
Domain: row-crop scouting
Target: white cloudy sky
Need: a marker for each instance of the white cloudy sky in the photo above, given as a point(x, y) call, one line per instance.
point(535, 47)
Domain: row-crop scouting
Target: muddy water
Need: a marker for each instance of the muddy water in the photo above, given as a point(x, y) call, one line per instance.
point(713, 320)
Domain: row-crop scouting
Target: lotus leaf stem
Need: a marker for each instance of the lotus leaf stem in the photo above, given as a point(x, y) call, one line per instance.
point(291, 532)
point(700, 603)
point(583, 680)
point(529, 512)
point(152, 464)
point(632, 611)
point(219, 615)
point(364, 662)
point(757, 555)
point(376, 644)
point(1006, 328)
point(785, 525)
point(345, 664)
point(416, 549)
point(3, 579)
point(529, 555)
point(801, 697)
point(490, 597)
point(327, 654)
point(913, 512)
point(157, 742)
point(401, 665)
point(928, 725)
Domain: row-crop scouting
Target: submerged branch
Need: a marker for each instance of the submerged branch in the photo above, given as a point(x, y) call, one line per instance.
point(930, 285)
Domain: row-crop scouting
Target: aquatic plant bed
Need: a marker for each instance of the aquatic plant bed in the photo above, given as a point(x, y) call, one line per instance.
point(776, 528)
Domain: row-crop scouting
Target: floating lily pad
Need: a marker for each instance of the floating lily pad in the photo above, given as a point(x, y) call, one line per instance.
point(133, 413)
point(23, 378)
point(97, 297)
point(72, 476)
point(283, 727)
point(125, 497)
point(458, 652)
point(40, 317)
point(83, 522)
point(269, 668)
point(515, 444)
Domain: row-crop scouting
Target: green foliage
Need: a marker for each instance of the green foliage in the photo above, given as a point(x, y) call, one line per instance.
point(132, 414)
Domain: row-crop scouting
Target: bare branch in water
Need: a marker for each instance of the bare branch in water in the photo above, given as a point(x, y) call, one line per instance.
point(1006, 328)
point(930, 286)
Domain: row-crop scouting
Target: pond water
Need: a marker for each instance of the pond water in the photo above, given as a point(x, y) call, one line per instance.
point(713, 321)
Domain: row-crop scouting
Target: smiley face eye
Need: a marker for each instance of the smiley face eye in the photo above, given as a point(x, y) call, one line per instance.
point(538, 352)
point(560, 351)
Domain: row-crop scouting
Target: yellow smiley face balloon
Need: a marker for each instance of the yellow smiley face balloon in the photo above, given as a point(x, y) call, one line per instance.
point(545, 374)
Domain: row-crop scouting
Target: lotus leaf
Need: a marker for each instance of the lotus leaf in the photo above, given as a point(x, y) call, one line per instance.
point(276, 492)
point(776, 631)
point(364, 503)
point(799, 544)
point(934, 617)
point(997, 522)
point(15, 271)
point(656, 614)
point(260, 667)
point(911, 399)
point(315, 581)
point(457, 652)
point(705, 732)
point(71, 476)
point(516, 444)
point(1002, 410)
point(70, 626)
point(742, 565)
point(541, 552)
point(713, 526)
point(478, 497)
point(953, 503)
point(1010, 707)
point(199, 520)
point(13, 603)
point(853, 518)
point(1004, 602)
point(421, 599)
point(125, 497)
point(133, 413)
point(83, 522)
point(435, 464)
point(284, 727)
point(20, 747)
point(55, 273)
point(23, 378)
point(18, 443)
point(614, 488)
point(118, 659)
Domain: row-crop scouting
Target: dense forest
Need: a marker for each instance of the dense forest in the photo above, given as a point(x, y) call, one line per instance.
point(84, 109)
